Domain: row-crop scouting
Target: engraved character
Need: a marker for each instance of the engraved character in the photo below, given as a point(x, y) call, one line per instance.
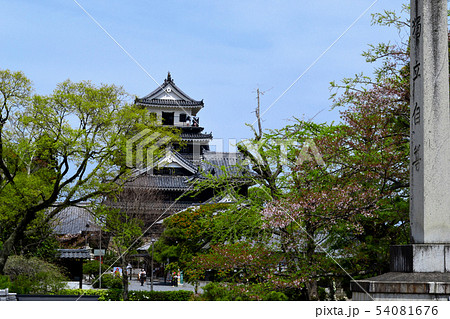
point(416, 114)
point(416, 28)
point(416, 70)
point(417, 158)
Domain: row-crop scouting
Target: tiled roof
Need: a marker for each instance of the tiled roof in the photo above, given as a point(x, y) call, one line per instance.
point(163, 182)
point(74, 253)
point(218, 163)
point(174, 156)
point(152, 100)
point(212, 162)
point(149, 208)
point(196, 136)
point(185, 161)
point(169, 103)
point(73, 220)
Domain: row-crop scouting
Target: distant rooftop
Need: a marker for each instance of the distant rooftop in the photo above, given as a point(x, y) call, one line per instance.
point(74, 220)
point(74, 253)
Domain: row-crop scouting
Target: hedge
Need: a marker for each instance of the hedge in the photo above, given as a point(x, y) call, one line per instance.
point(116, 294)
point(179, 295)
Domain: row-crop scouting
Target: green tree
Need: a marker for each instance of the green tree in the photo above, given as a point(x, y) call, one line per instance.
point(355, 205)
point(33, 275)
point(337, 214)
point(186, 234)
point(126, 231)
point(92, 268)
point(60, 150)
point(192, 232)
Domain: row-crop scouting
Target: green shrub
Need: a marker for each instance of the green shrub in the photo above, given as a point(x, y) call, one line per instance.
point(275, 296)
point(111, 295)
point(109, 281)
point(231, 292)
point(79, 292)
point(216, 292)
point(22, 284)
point(180, 295)
point(5, 282)
point(33, 275)
point(103, 294)
point(116, 294)
point(91, 268)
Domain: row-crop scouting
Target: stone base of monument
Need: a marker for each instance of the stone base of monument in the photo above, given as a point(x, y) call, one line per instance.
point(420, 258)
point(418, 272)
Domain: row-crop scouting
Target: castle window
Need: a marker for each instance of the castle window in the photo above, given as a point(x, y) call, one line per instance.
point(167, 118)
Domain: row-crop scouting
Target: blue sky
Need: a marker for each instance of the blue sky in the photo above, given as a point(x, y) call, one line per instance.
point(219, 51)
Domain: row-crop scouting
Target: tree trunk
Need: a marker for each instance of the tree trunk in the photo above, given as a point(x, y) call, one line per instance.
point(5, 252)
point(124, 280)
point(11, 241)
point(313, 293)
point(311, 286)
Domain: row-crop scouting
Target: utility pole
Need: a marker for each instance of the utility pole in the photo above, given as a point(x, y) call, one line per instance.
point(151, 265)
point(258, 117)
point(258, 111)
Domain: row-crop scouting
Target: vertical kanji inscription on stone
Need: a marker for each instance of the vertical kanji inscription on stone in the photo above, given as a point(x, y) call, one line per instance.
point(429, 123)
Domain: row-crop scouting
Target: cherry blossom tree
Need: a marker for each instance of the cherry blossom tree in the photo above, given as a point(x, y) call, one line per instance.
point(361, 192)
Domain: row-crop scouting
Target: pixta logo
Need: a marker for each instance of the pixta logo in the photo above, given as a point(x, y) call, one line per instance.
point(144, 141)
point(309, 148)
point(309, 151)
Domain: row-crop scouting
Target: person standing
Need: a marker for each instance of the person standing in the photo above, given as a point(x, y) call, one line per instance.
point(129, 270)
point(174, 279)
point(142, 276)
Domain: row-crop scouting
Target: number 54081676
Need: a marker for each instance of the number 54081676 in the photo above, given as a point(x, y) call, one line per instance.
point(407, 310)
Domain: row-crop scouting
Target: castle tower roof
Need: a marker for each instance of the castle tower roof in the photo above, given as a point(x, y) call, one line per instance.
point(168, 95)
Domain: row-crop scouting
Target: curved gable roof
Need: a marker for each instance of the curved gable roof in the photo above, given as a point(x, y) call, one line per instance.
point(169, 95)
point(172, 156)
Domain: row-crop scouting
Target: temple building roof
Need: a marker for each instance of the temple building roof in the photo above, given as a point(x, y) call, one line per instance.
point(74, 220)
point(74, 254)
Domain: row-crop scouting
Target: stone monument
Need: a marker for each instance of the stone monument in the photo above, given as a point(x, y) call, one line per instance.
point(421, 270)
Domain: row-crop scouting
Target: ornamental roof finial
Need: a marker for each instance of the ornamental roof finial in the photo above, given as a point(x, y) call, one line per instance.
point(169, 77)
